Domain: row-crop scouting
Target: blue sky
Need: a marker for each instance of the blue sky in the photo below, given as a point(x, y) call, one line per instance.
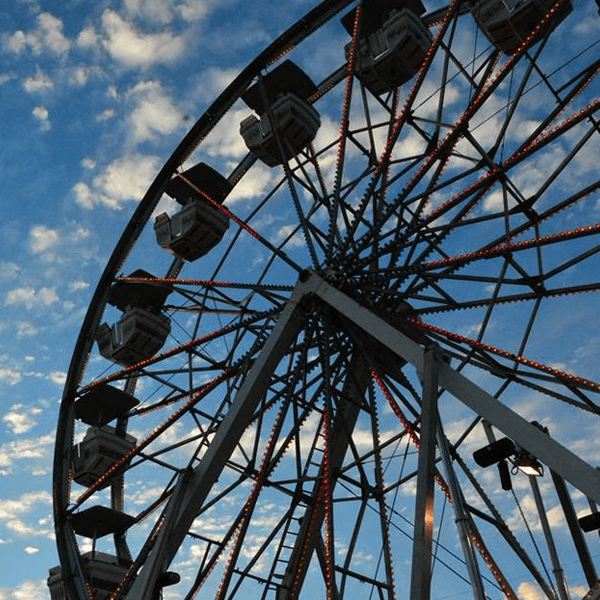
point(93, 99)
point(94, 96)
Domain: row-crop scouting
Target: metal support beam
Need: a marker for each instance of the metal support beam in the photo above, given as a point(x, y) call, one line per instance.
point(550, 452)
point(461, 517)
point(559, 575)
point(576, 534)
point(420, 583)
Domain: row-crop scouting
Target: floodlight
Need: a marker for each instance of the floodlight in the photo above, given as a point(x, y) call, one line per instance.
point(590, 522)
point(494, 452)
point(528, 465)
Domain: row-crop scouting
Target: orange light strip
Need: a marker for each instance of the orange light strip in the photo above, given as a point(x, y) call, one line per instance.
point(410, 430)
point(508, 247)
point(562, 375)
point(204, 390)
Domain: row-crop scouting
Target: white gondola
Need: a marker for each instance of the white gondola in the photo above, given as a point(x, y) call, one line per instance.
point(288, 122)
point(296, 123)
point(392, 54)
point(507, 23)
point(102, 571)
point(137, 336)
point(98, 451)
point(193, 231)
point(199, 226)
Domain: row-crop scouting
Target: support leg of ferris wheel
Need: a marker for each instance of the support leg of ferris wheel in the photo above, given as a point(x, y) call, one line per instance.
point(432, 436)
point(559, 576)
point(581, 546)
point(461, 517)
point(420, 582)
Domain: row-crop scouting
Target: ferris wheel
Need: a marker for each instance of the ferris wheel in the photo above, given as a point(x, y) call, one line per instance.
point(358, 362)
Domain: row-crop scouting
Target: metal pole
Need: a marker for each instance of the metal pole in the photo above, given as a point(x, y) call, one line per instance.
point(587, 564)
point(420, 584)
point(461, 517)
point(559, 575)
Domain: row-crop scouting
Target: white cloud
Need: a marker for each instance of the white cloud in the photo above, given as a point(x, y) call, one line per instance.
point(112, 92)
point(84, 195)
point(38, 84)
point(88, 163)
point(225, 139)
point(47, 296)
point(529, 591)
point(81, 233)
point(105, 115)
point(77, 286)
point(56, 246)
point(42, 115)
point(165, 11)
point(26, 590)
point(15, 514)
point(25, 329)
point(31, 550)
point(16, 43)
point(150, 10)
point(87, 38)
point(50, 30)
point(30, 297)
point(42, 238)
point(254, 184)
point(58, 377)
point(192, 10)
point(133, 48)
point(10, 376)
point(80, 75)
point(214, 79)
point(8, 270)
point(20, 419)
point(38, 448)
point(155, 112)
point(46, 37)
point(125, 179)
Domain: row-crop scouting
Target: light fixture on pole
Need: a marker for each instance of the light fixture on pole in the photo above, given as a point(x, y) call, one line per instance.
point(590, 522)
point(527, 464)
point(503, 450)
point(494, 452)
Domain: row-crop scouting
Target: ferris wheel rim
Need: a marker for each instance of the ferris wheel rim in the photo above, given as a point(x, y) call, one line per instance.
point(146, 207)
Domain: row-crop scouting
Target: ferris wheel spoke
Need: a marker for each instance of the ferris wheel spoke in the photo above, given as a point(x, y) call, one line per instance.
point(344, 131)
point(397, 128)
point(386, 550)
point(452, 138)
point(534, 367)
point(508, 298)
